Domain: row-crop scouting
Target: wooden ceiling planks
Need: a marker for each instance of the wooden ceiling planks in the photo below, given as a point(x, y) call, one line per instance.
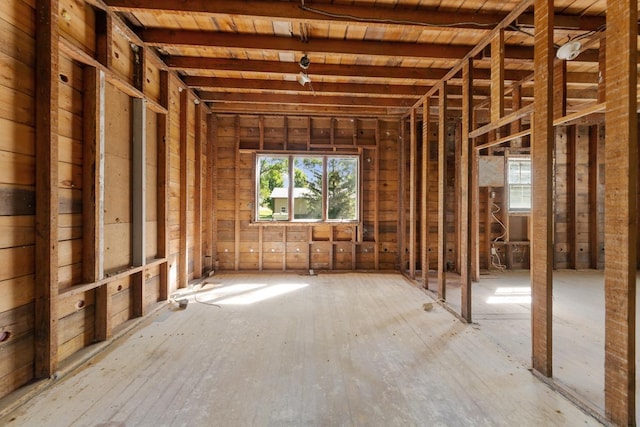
point(268, 37)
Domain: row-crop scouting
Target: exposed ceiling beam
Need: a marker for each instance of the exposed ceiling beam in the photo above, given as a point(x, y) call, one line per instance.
point(164, 38)
point(304, 110)
point(383, 90)
point(353, 14)
point(364, 71)
point(360, 71)
point(242, 65)
point(319, 13)
point(337, 100)
point(250, 87)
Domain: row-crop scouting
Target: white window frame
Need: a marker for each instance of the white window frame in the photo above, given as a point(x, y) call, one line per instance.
point(509, 184)
point(325, 196)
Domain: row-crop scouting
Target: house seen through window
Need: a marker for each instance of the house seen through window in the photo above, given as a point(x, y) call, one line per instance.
point(321, 188)
point(519, 183)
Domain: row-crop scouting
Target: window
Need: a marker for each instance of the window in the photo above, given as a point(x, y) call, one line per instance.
point(519, 183)
point(321, 188)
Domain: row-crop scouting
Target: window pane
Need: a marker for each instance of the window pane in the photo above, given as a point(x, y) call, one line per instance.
point(342, 188)
point(307, 189)
point(520, 197)
point(273, 188)
point(519, 171)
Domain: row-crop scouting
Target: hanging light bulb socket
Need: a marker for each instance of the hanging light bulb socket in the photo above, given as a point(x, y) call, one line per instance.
point(304, 62)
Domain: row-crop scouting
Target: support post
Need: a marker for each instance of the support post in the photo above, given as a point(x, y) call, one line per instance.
point(620, 233)
point(542, 178)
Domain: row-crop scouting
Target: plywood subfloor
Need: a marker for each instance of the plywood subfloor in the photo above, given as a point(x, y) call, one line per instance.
point(289, 350)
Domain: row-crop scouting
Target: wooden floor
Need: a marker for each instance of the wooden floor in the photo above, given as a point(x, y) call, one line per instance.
point(502, 312)
point(290, 350)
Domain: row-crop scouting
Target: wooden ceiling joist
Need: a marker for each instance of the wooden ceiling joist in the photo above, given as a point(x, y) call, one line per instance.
point(382, 90)
point(353, 14)
point(271, 67)
point(165, 38)
point(426, 75)
point(295, 110)
point(336, 100)
point(424, 17)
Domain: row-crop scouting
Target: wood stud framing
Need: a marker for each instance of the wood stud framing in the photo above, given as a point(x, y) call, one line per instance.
point(424, 194)
point(466, 190)
point(163, 186)
point(93, 174)
point(197, 197)
point(412, 194)
point(552, 90)
point(183, 271)
point(47, 206)
point(442, 173)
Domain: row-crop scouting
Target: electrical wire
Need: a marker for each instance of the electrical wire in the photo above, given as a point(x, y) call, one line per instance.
point(392, 21)
point(195, 298)
point(496, 262)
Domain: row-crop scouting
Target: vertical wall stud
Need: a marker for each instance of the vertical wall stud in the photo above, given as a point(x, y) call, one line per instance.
point(138, 201)
point(183, 271)
point(594, 215)
point(163, 186)
point(424, 195)
point(93, 175)
point(46, 244)
point(442, 179)
point(465, 190)
point(197, 197)
point(412, 194)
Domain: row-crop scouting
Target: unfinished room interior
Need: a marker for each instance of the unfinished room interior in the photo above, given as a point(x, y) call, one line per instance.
point(318, 212)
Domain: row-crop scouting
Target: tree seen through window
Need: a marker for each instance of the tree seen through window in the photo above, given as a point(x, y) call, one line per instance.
point(323, 188)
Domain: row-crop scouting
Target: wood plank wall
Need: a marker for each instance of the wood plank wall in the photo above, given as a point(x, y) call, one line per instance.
point(244, 245)
point(17, 193)
point(432, 197)
point(102, 68)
